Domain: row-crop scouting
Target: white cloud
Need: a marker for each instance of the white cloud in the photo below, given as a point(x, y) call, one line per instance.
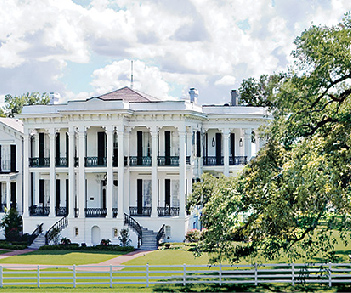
point(226, 80)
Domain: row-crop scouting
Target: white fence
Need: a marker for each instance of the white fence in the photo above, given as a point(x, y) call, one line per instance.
point(329, 273)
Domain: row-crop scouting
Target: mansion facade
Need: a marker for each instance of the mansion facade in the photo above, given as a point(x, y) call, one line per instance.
point(124, 159)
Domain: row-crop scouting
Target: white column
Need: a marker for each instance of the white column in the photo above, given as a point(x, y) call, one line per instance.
point(109, 187)
point(226, 135)
point(154, 134)
point(25, 173)
point(81, 171)
point(120, 133)
point(8, 194)
point(247, 143)
point(52, 172)
point(71, 175)
point(182, 171)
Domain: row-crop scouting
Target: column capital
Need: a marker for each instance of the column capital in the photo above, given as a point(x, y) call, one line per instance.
point(109, 128)
point(225, 131)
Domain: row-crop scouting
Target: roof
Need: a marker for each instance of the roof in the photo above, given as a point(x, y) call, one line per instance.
point(16, 124)
point(126, 94)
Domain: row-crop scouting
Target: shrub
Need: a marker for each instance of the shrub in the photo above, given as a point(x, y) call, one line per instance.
point(124, 237)
point(105, 242)
point(193, 235)
point(12, 222)
point(65, 241)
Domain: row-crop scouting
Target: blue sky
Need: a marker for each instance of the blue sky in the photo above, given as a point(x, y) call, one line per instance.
point(83, 48)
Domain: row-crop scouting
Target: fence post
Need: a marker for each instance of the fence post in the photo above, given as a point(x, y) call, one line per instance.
point(38, 276)
point(256, 274)
point(74, 276)
point(147, 275)
point(110, 276)
point(330, 275)
point(220, 274)
point(184, 274)
point(293, 274)
point(1, 276)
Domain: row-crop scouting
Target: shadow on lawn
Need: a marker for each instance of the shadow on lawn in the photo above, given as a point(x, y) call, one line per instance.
point(252, 288)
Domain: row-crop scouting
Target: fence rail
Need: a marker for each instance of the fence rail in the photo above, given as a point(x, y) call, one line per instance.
point(328, 273)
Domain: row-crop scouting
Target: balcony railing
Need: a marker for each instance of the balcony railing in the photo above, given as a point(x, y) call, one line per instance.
point(76, 212)
point(95, 212)
point(39, 162)
point(140, 161)
point(168, 160)
point(213, 161)
point(115, 161)
point(238, 160)
point(94, 161)
point(39, 211)
point(140, 211)
point(114, 212)
point(76, 161)
point(188, 160)
point(168, 211)
point(61, 211)
point(62, 162)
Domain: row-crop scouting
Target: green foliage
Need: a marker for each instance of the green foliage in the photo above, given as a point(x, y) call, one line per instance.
point(75, 246)
point(12, 222)
point(193, 235)
point(296, 193)
point(124, 237)
point(14, 104)
point(105, 242)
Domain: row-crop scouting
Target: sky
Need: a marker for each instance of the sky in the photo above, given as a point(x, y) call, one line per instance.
point(84, 48)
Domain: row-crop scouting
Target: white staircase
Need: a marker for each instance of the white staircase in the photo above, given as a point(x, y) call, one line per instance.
point(38, 242)
point(149, 241)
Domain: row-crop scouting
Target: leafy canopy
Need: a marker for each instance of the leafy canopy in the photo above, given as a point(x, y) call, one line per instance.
point(296, 192)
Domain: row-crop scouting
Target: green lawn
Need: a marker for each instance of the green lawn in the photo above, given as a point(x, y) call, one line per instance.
point(62, 257)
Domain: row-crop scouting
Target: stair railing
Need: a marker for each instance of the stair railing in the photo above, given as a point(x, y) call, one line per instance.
point(55, 229)
point(128, 220)
point(35, 234)
point(161, 234)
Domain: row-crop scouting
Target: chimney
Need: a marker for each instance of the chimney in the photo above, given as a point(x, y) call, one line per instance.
point(193, 92)
point(234, 97)
point(54, 97)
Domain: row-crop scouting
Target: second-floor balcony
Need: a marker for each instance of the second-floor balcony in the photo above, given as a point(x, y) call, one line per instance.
point(95, 161)
point(140, 161)
point(62, 162)
point(39, 162)
point(39, 210)
point(140, 211)
point(219, 160)
point(95, 212)
point(168, 160)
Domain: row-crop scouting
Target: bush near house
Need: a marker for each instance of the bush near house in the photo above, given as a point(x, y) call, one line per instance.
point(75, 246)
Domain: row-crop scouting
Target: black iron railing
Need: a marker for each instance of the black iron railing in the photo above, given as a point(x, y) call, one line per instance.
point(76, 161)
point(39, 162)
point(95, 161)
point(114, 212)
point(39, 211)
point(128, 220)
point(161, 234)
point(140, 211)
point(168, 211)
point(188, 160)
point(213, 161)
point(76, 212)
point(35, 234)
point(168, 160)
point(61, 211)
point(61, 162)
point(95, 212)
point(140, 161)
point(238, 160)
point(55, 229)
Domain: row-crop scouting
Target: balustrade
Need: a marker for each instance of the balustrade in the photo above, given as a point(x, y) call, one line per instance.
point(95, 212)
point(140, 211)
point(39, 211)
point(114, 212)
point(168, 160)
point(95, 161)
point(39, 162)
point(168, 211)
point(61, 211)
point(61, 162)
point(140, 161)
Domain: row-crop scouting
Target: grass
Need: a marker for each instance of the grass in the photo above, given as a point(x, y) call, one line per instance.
point(62, 257)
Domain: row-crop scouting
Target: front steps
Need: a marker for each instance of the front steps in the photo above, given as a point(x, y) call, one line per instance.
point(38, 242)
point(149, 241)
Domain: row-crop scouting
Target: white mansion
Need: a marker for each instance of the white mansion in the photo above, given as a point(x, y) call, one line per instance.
point(125, 159)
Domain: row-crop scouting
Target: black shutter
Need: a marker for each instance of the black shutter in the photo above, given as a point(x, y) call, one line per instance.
point(139, 196)
point(41, 191)
point(58, 193)
point(41, 145)
point(67, 192)
point(31, 188)
point(101, 147)
point(139, 147)
point(167, 192)
point(13, 157)
point(232, 145)
point(218, 148)
point(198, 142)
point(167, 148)
point(13, 194)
